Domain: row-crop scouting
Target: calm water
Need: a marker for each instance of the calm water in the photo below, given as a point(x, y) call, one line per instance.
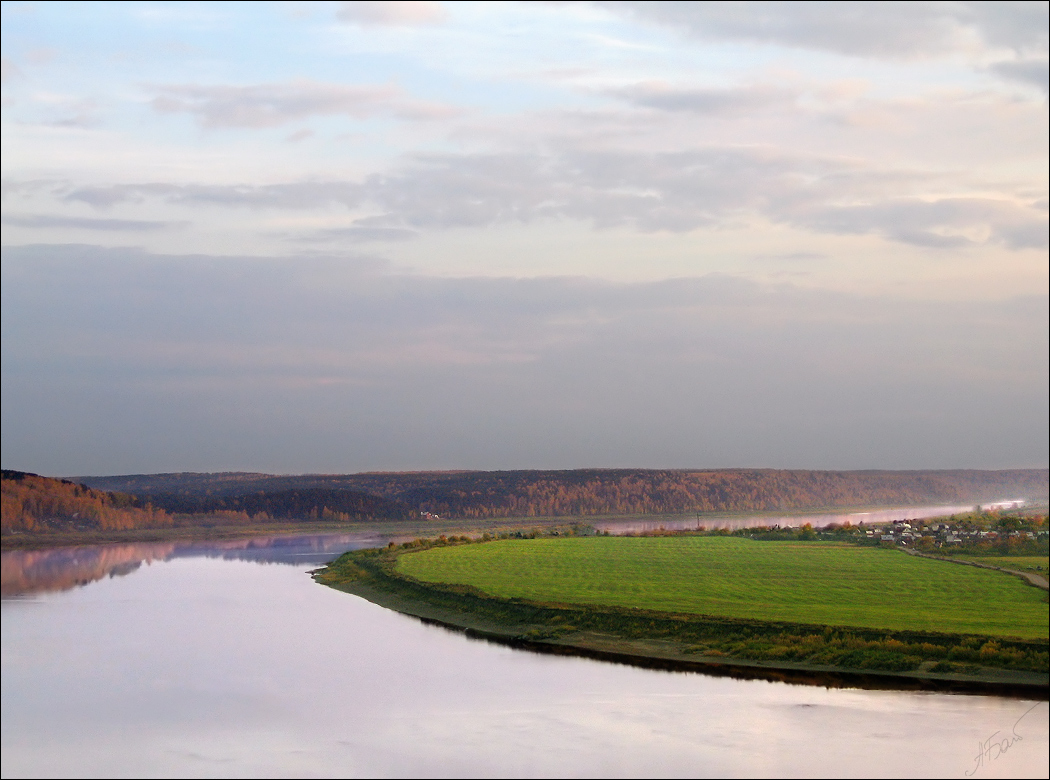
point(226, 660)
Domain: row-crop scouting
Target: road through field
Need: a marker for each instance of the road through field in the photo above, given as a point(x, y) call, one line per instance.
point(1033, 579)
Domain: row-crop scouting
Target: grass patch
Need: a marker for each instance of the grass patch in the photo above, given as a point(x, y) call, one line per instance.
point(1035, 564)
point(823, 584)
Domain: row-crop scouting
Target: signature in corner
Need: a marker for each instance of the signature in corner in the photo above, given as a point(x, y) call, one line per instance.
point(992, 748)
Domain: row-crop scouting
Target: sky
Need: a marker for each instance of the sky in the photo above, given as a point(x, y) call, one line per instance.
point(371, 236)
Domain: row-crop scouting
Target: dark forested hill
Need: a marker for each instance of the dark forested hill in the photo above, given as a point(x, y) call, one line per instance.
point(307, 503)
point(583, 492)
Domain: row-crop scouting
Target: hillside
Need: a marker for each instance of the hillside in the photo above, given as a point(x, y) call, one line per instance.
point(36, 504)
point(589, 492)
point(308, 503)
point(39, 505)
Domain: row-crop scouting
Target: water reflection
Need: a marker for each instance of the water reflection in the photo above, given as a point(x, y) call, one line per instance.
point(26, 572)
point(211, 667)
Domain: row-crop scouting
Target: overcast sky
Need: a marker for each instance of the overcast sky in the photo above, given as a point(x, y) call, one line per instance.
point(336, 237)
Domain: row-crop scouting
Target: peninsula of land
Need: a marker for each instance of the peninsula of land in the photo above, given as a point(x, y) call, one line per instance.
point(826, 611)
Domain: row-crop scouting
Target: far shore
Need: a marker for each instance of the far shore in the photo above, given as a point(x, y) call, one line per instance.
point(204, 531)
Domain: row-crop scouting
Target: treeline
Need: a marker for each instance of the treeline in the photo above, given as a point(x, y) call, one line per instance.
point(32, 503)
point(629, 492)
point(590, 492)
point(329, 504)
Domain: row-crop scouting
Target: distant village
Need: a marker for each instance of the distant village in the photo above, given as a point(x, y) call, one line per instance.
point(937, 533)
point(906, 532)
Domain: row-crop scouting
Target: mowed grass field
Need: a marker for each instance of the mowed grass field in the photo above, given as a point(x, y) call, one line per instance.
point(802, 582)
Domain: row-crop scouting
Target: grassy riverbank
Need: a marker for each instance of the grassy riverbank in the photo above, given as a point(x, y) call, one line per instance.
point(639, 597)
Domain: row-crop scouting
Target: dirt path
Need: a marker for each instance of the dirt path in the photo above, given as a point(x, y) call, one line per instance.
point(1031, 579)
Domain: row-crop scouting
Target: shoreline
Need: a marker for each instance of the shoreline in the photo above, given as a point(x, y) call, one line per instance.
point(668, 656)
point(705, 644)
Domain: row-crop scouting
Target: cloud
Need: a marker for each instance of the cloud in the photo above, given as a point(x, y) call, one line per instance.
point(8, 71)
point(1022, 26)
point(359, 232)
point(1033, 72)
point(55, 222)
point(791, 257)
point(862, 29)
point(32, 187)
point(292, 195)
point(41, 56)
point(392, 13)
point(740, 101)
point(332, 364)
point(671, 191)
point(943, 223)
point(675, 191)
point(271, 105)
point(85, 115)
point(682, 191)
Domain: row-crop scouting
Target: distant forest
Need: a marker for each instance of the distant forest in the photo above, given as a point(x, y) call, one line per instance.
point(35, 504)
point(589, 492)
point(309, 503)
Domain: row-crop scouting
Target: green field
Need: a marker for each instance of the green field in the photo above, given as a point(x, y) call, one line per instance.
point(1036, 564)
point(801, 582)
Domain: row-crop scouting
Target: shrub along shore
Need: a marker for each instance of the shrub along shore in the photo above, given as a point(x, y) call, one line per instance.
point(861, 655)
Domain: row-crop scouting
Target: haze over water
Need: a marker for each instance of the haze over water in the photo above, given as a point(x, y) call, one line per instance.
point(213, 664)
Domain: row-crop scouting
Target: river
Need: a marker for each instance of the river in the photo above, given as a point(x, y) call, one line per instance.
point(224, 659)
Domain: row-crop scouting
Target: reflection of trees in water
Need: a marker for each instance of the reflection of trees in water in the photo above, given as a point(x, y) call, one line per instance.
point(36, 571)
point(25, 572)
point(276, 549)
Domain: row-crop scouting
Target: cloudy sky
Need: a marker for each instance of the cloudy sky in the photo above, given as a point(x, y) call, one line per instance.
point(335, 237)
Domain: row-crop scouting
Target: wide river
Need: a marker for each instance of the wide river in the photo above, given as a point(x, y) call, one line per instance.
point(225, 659)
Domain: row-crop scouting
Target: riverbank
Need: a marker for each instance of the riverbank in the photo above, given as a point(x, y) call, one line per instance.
point(670, 656)
point(852, 656)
